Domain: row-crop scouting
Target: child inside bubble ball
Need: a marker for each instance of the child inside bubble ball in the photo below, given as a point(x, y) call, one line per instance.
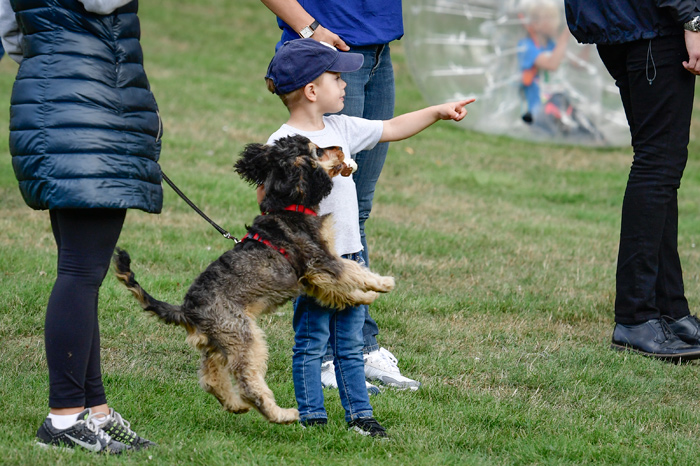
point(541, 51)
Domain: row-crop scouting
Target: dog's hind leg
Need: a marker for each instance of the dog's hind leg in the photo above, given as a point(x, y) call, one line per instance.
point(214, 378)
point(249, 366)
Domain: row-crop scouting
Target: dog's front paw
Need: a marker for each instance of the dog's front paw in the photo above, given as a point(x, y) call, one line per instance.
point(385, 284)
point(362, 297)
point(285, 416)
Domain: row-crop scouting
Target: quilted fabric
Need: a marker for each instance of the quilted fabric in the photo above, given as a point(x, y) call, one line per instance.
point(84, 125)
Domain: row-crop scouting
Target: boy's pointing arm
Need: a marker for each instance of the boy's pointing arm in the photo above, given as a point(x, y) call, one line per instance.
point(408, 124)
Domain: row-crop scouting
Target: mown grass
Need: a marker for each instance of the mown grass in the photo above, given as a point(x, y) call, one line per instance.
point(504, 254)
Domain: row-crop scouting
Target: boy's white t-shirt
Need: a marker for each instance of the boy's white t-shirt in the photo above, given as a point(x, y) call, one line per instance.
point(353, 135)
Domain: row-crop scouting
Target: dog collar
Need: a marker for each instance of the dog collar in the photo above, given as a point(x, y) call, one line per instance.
point(266, 242)
point(296, 208)
point(300, 208)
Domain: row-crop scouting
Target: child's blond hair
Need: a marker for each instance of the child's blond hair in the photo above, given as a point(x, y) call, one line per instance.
point(536, 10)
point(289, 99)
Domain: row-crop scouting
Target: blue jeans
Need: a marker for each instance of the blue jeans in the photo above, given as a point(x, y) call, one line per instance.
point(315, 327)
point(370, 94)
point(657, 95)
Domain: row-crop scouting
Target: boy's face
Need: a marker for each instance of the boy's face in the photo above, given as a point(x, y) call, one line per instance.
point(546, 21)
point(331, 92)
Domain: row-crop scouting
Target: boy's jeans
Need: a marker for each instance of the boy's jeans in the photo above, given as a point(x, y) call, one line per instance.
point(370, 94)
point(314, 327)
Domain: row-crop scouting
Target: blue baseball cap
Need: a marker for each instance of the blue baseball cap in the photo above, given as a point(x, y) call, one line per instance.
point(300, 61)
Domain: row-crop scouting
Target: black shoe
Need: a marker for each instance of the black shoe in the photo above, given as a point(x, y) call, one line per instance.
point(314, 422)
point(653, 338)
point(84, 433)
point(687, 328)
point(120, 430)
point(368, 426)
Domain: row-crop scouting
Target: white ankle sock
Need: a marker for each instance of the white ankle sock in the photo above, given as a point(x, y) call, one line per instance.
point(63, 422)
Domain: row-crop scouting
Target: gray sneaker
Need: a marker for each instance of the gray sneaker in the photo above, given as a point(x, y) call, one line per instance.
point(120, 430)
point(84, 434)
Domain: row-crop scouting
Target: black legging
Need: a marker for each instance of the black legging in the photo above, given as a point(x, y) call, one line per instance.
point(86, 239)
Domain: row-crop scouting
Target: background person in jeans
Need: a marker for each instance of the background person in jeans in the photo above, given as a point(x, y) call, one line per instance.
point(652, 50)
point(365, 28)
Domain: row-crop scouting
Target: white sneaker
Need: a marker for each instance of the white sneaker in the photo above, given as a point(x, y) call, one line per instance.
point(328, 378)
point(372, 389)
point(382, 366)
point(328, 375)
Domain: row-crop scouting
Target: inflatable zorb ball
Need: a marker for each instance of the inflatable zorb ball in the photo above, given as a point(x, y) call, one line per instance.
point(459, 49)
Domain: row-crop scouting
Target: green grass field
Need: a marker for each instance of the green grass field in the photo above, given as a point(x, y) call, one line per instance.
point(504, 254)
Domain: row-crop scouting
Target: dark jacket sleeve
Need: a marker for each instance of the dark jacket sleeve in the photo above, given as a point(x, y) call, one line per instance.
point(680, 10)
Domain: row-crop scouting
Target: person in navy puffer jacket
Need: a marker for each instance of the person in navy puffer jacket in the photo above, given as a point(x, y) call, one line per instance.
point(85, 141)
point(652, 50)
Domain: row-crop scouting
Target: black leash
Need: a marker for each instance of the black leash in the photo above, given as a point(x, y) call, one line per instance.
point(223, 232)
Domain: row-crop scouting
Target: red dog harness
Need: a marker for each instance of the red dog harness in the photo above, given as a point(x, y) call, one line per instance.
point(257, 237)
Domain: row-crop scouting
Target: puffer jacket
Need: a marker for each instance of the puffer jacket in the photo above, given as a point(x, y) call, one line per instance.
point(616, 22)
point(84, 125)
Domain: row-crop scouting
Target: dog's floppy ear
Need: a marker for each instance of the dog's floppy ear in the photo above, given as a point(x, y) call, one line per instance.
point(255, 163)
point(319, 186)
point(296, 176)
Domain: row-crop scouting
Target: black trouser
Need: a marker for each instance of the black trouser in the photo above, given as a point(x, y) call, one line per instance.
point(86, 239)
point(657, 95)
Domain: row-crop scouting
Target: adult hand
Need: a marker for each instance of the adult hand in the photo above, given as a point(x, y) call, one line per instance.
point(322, 34)
point(292, 13)
point(692, 44)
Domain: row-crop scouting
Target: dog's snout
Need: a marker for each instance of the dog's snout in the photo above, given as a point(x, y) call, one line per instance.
point(334, 154)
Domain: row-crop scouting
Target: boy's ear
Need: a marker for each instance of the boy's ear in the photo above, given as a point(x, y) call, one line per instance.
point(310, 92)
point(254, 163)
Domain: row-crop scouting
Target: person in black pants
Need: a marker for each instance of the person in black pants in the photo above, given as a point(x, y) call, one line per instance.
point(653, 54)
point(85, 140)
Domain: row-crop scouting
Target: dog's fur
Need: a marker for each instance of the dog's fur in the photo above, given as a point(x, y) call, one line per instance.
point(220, 309)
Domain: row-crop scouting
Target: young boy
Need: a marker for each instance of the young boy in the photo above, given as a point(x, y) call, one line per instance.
point(306, 75)
point(542, 50)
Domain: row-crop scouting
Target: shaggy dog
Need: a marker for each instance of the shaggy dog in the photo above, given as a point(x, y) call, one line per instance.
point(288, 250)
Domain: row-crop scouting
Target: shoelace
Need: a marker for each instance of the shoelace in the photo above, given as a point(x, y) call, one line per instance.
point(118, 419)
point(96, 429)
point(389, 357)
point(126, 434)
point(666, 329)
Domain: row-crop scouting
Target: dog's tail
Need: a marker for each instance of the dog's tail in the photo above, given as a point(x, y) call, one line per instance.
point(169, 313)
